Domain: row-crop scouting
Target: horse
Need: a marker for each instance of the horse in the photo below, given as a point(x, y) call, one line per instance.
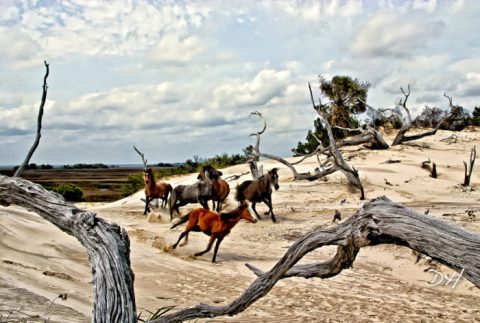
point(181, 195)
point(154, 190)
point(220, 188)
point(215, 225)
point(259, 190)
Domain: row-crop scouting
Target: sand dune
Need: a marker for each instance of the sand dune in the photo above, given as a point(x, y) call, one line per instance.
point(38, 262)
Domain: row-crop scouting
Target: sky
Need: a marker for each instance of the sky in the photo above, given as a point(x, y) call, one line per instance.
point(180, 78)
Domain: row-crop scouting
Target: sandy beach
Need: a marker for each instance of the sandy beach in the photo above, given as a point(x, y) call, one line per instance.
point(38, 262)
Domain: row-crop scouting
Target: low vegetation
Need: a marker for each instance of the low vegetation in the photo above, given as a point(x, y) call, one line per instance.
point(70, 192)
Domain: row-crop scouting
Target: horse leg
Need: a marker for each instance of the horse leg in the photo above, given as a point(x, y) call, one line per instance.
point(209, 246)
point(204, 204)
point(254, 210)
point(147, 208)
point(183, 234)
point(268, 201)
point(216, 248)
point(186, 240)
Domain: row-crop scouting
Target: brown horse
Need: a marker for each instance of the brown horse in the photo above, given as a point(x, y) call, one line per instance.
point(220, 188)
point(259, 191)
point(217, 226)
point(154, 190)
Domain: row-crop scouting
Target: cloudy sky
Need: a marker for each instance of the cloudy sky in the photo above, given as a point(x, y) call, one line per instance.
point(180, 78)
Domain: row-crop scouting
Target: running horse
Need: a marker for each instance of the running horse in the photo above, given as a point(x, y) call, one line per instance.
point(259, 191)
point(154, 190)
point(220, 188)
point(199, 192)
point(217, 226)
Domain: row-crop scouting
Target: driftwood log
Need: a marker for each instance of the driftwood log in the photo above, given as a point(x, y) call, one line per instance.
point(379, 221)
point(39, 124)
point(108, 246)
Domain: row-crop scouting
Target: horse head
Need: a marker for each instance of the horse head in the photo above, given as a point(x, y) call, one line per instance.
point(212, 173)
point(273, 175)
point(148, 175)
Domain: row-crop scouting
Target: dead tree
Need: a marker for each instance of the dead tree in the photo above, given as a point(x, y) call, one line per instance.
point(468, 172)
point(380, 221)
point(108, 246)
point(401, 136)
point(431, 167)
point(39, 124)
point(368, 137)
point(256, 172)
point(256, 154)
point(350, 172)
point(143, 158)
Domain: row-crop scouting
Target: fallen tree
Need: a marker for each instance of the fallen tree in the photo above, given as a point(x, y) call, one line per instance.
point(406, 121)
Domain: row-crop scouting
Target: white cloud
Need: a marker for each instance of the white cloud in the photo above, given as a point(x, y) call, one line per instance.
point(392, 35)
point(175, 49)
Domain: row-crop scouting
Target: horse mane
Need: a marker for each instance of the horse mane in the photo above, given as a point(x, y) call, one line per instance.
point(212, 172)
point(151, 178)
point(232, 214)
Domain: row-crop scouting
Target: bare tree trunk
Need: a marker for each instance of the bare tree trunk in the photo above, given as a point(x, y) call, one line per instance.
point(468, 175)
point(350, 172)
point(257, 172)
point(39, 125)
point(380, 221)
point(108, 246)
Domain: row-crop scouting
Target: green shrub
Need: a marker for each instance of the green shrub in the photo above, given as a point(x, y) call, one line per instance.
point(134, 184)
point(70, 192)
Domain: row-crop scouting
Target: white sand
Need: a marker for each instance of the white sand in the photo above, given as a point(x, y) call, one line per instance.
point(384, 284)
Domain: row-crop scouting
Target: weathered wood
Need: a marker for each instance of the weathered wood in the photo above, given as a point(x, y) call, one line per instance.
point(142, 156)
point(379, 221)
point(350, 172)
point(108, 246)
point(468, 173)
point(257, 172)
point(431, 167)
point(401, 136)
point(39, 124)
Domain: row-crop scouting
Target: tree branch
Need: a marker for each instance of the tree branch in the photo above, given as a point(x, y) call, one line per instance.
point(380, 221)
point(108, 246)
point(20, 169)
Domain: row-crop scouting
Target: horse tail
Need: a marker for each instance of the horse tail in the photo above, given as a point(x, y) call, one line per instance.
point(168, 190)
point(183, 219)
point(171, 201)
point(239, 196)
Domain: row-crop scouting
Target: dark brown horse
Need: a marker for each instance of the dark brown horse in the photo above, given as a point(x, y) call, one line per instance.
point(217, 226)
point(220, 188)
point(259, 190)
point(154, 190)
